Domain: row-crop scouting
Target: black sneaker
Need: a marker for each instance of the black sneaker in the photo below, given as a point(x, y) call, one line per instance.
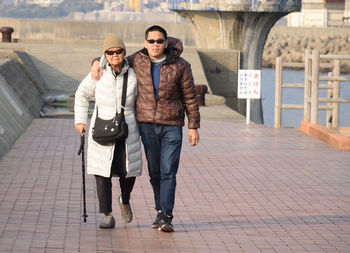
point(165, 224)
point(158, 218)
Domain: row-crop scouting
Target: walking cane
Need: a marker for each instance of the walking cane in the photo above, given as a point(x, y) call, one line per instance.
point(81, 152)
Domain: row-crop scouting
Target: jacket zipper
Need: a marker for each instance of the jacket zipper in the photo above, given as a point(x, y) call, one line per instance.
point(155, 100)
point(116, 94)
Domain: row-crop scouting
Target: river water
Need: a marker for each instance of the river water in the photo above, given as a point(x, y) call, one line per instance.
point(291, 117)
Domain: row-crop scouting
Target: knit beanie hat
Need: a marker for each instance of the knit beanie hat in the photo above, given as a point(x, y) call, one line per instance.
point(111, 41)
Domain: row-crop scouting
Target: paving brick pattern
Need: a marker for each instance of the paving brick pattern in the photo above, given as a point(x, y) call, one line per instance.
point(245, 188)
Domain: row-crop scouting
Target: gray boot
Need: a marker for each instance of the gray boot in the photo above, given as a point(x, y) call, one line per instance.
point(107, 222)
point(125, 210)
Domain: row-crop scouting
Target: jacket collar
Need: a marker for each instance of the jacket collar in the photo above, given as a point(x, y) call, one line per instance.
point(173, 51)
point(125, 67)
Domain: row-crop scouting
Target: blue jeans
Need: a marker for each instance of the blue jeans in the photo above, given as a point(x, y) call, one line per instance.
point(162, 144)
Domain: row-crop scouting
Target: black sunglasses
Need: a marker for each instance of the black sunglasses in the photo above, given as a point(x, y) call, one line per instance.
point(160, 41)
point(119, 51)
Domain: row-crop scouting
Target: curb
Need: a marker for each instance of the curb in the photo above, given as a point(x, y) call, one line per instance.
point(327, 135)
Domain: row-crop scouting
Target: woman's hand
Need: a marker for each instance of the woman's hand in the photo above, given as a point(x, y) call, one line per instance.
point(81, 128)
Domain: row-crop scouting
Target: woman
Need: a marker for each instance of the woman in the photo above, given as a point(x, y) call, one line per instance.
point(119, 159)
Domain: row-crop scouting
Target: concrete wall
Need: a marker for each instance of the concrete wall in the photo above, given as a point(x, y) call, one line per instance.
point(131, 32)
point(14, 116)
point(27, 66)
point(221, 69)
point(20, 97)
point(20, 83)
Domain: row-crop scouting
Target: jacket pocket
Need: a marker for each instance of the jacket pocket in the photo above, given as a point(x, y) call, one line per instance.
point(181, 109)
point(173, 113)
point(144, 113)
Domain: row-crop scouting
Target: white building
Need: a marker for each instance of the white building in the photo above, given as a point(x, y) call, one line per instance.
point(320, 13)
point(347, 12)
point(45, 3)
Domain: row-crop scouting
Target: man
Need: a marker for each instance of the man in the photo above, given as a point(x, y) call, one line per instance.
point(165, 91)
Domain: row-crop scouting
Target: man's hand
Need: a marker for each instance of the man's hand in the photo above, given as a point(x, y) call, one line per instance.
point(96, 71)
point(193, 136)
point(80, 127)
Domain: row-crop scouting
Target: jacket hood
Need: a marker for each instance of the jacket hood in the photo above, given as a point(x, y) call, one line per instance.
point(176, 46)
point(174, 49)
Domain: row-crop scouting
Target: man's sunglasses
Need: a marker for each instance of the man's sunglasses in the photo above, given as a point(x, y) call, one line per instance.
point(119, 51)
point(160, 41)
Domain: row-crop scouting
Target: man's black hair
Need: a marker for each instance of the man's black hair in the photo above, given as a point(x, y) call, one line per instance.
point(156, 28)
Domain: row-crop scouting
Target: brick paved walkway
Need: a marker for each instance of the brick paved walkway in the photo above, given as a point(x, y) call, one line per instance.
point(243, 189)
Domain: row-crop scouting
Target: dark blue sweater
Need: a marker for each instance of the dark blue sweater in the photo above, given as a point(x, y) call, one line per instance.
point(155, 67)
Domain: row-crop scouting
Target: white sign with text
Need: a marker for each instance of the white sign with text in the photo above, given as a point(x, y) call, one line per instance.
point(249, 83)
point(249, 87)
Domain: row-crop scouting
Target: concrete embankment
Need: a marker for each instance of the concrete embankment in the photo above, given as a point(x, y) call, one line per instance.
point(53, 56)
point(21, 89)
point(35, 70)
point(288, 42)
point(291, 42)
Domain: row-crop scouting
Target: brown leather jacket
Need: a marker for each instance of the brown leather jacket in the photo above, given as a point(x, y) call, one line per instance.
point(176, 92)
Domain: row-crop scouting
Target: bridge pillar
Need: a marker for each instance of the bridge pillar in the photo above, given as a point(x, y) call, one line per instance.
point(242, 25)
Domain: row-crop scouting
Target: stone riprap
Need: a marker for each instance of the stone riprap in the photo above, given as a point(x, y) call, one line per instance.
point(290, 43)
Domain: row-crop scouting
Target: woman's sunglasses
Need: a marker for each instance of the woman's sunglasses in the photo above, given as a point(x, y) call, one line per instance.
point(117, 52)
point(160, 41)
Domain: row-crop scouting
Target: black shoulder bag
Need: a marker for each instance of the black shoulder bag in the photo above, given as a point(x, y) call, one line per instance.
point(110, 131)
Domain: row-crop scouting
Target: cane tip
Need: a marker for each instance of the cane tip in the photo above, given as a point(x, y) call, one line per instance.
point(84, 216)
